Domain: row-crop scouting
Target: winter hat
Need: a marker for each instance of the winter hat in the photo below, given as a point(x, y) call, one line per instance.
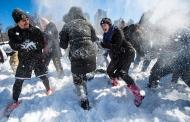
point(106, 21)
point(74, 13)
point(44, 20)
point(18, 15)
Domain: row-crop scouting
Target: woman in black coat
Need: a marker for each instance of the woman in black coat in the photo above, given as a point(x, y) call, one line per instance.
point(80, 35)
point(122, 55)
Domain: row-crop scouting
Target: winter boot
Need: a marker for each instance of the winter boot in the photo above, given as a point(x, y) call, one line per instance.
point(85, 104)
point(114, 82)
point(138, 94)
point(10, 107)
point(153, 84)
point(49, 92)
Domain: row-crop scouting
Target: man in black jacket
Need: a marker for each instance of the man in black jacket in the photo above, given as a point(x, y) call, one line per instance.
point(80, 35)
point(29, 42)
point(122, 55)
point(54, 50)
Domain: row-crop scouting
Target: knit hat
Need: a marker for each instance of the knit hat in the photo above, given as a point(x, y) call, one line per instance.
point(18, 15)
point(106, 21)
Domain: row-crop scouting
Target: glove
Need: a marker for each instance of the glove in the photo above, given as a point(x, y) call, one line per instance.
point(29, 46)
point(106, 45)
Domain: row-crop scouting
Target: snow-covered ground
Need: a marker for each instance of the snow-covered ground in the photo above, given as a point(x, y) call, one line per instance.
point(170, 103)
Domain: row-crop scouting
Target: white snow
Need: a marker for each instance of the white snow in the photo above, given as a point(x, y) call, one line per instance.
point(169, 103)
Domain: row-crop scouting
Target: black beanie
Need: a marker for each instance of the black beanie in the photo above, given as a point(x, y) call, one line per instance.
point(106, 21)
point(18, 15)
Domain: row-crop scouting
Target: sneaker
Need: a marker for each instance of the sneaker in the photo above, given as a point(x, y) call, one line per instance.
point(138, 94)
point(14, 105)
point(49, 92)
point(139, 98)
point(114, 82)
point(85, 104)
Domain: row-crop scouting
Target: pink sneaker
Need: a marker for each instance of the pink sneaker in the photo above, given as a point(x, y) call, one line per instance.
point(138, 100)
point(114, 82)
point(138, 94)
point(14, 105)
point(49, 92)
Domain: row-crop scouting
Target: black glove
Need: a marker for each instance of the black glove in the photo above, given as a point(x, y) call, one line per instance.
point(102, 44)
point(105, 45)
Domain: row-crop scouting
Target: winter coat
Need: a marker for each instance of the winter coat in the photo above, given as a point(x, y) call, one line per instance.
point(134, 37)
point(18, 37)
point(52, 37)
point(80, 35)
point(118, 46)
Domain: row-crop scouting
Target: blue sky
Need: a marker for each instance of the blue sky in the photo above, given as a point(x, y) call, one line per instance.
point(116, 8)
point(8, 5)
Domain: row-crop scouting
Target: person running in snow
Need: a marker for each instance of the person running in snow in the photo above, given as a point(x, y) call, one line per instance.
point(29, 42)
point(54, 50)
point(122, 55)
point(80, 35)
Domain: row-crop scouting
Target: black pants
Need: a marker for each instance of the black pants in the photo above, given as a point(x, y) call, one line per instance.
point(158, 71)
point(184, 75)
point(17, 87)
point(120, 67)
point(80, 85)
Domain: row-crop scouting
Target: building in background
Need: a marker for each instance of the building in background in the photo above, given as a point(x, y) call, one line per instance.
point(130, 22)
point(3, 35)
point(87, 16)
point(120, 23)
point(97, 18)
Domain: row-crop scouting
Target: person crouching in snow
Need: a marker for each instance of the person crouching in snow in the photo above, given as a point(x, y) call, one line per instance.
point(122, 55)
point(80, 35)
point(29, 42)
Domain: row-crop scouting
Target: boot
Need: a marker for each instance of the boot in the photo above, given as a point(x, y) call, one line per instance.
point(138, 94)
point(85, 104)
point(114, 82)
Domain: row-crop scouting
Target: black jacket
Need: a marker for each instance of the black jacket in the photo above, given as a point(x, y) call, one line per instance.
point(18, 36)
point(52, 37)
point(80, 35)
point(133, 35)
point(118, 46)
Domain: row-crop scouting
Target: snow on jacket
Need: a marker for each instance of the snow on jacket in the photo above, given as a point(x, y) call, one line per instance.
point(80, 35)
point(118, 45)
point(18, 37)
